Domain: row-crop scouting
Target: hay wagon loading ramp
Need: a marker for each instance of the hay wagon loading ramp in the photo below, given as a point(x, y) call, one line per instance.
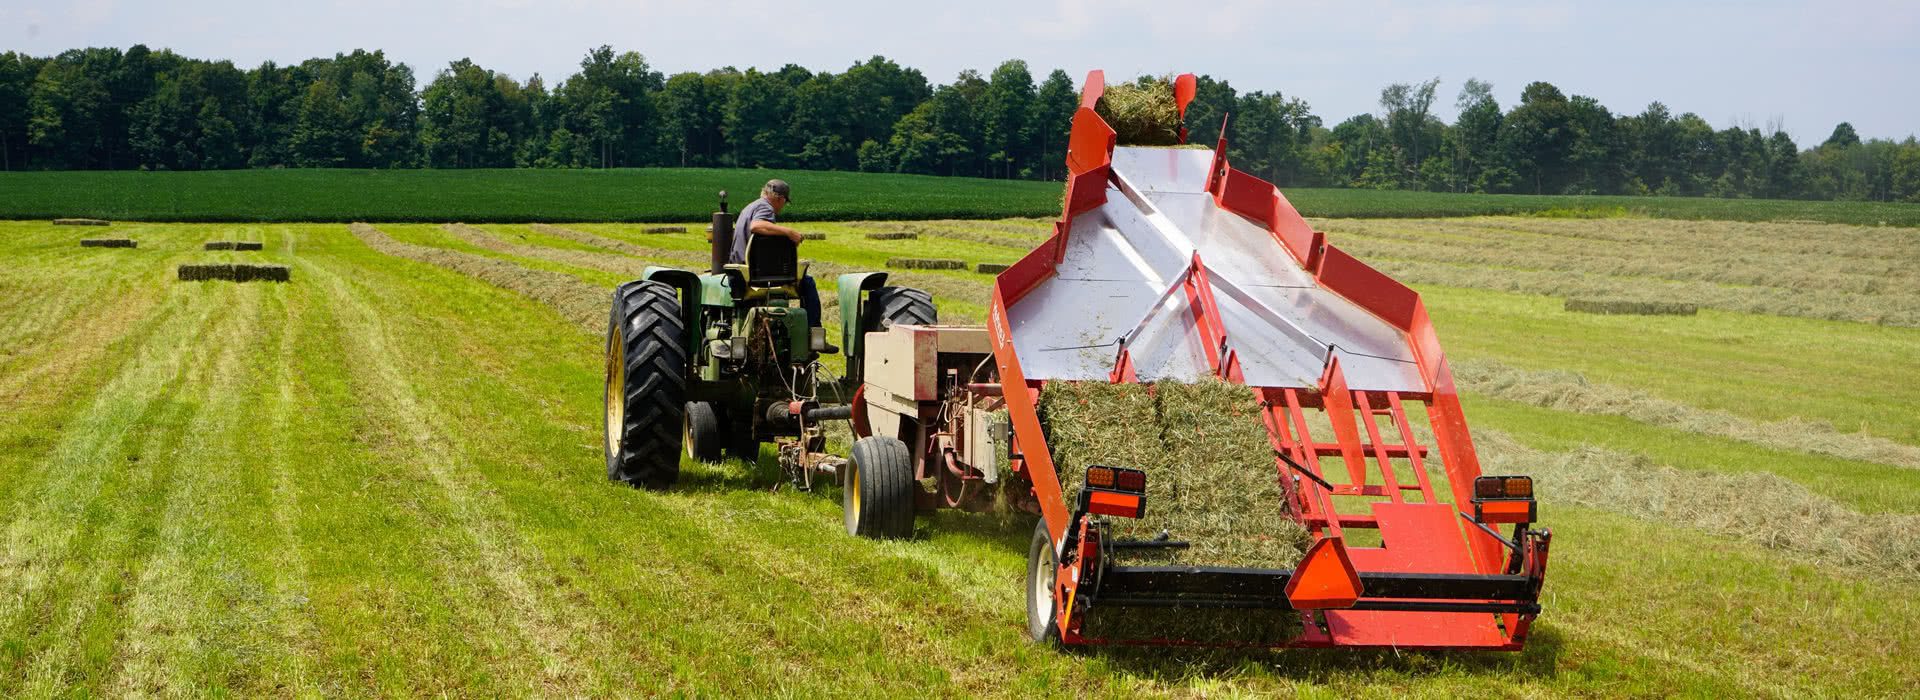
point(1170, 265)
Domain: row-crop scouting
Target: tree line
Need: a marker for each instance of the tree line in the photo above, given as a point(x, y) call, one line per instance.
point(104, 108)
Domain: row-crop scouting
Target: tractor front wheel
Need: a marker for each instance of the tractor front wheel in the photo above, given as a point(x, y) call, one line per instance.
point(876, 492)
point(1043, 623)
point(646, 385)
point(702, 434)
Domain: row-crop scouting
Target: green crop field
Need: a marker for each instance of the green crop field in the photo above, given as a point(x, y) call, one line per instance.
point(635, 195)
point(384, 477)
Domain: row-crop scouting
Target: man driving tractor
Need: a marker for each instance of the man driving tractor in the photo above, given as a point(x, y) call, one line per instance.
point(757, 219)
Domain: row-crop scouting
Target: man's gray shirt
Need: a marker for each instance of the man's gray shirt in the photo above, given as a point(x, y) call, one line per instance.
point(759, 210)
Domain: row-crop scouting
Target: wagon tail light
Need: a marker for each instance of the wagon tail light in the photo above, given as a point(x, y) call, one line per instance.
point(1504, 499)
point(1115, 491)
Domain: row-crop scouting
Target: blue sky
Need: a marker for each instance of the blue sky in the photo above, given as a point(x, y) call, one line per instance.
point(1803, 65)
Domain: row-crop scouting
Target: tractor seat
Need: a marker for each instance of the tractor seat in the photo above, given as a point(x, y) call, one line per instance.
point(773, 265)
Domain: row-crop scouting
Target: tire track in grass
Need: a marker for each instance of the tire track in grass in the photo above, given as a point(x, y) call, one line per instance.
point(77, 535)
point(537, 613)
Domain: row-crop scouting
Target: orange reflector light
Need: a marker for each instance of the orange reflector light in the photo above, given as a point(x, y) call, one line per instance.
point(1122, 505)
point(1100, 476)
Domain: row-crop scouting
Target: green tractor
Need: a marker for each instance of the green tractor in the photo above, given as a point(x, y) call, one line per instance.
point(717, 363)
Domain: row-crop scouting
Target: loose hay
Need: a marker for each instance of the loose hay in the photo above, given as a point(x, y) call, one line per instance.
point(1141, 114)
point(80, 222)
point(582, 303)
point(108, 243)
point(1211, 482)
point(664, 229)
point(927, 263)
point(234, 272)
point(990, 268)
point(233, 245)
point(1634, 308)
point(893, 236)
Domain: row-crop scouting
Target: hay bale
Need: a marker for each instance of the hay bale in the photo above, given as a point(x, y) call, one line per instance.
point(234, 272)
point(1635, 308)
point(233, 245)
point(927, 263)
point(80, 222)
point(664, 229)
point(1142, 113)
point(1211, 482)
point(893, 236)
point(813, 236)
point(217, 245)
point(108, 243)
point(990, 268)
point(249, 245)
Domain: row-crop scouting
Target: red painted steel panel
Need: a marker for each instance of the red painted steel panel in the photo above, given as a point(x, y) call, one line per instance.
point(1090, 144)
point(1347, 276)
point(1091, 91)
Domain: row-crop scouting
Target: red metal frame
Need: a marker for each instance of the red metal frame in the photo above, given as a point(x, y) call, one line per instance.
point(1423, 537)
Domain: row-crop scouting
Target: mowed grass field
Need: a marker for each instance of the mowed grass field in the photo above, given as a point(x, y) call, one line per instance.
point(384, 477)
point(667, 194)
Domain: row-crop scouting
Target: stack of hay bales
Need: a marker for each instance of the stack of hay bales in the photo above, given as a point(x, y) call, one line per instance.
point(1211, 482)
point(990, 268)
point(1634, 308)
point(235, 272)
point(813, 236)
point(80, 222)
point(233, 245)
point(108, 243)
point(1142, 113)
point(664, 229)
point(927, 263)
point(893, 236)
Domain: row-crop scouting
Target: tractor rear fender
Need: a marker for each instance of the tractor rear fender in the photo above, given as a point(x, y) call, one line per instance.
point(688, 284)
point(853, 288)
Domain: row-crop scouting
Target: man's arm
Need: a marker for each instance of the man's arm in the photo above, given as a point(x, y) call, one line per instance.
point(763, 227)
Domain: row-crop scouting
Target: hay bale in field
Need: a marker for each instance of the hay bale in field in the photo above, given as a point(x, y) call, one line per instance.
point(893, 236)
point(927, 263)
point(1142, 113)
point(80, 222)
point(664, 229)
point(990, 268)
point(108, 243)
point(1636, 308)
point(813, 236)
point(234, 272)
point(1211, 482)
point(233, 245)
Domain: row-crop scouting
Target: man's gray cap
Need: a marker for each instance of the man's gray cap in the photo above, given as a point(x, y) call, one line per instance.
point(780, 187)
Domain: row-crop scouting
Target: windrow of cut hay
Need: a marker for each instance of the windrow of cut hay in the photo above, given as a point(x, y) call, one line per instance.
point(1142, 113)
point(1211, 482)
point(1570, 391)
point(991, 233)
point(584, 304)
point(1620, 307)
point(1760, 508)
point(233, 245)
point(893, 236)
point(482, 238)
point(234, 272)
point(927, 263)
point(108, 243)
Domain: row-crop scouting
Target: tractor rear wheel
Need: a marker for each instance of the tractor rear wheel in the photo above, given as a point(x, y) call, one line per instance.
point(703, 434)
point(1043, 624)
point(888, 306)
point(876, 494)
point(646, 383)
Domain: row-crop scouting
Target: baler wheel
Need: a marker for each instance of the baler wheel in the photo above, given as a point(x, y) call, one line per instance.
point(702, 432)
point(646, 383)
point(877, 493)
point(1043, 624)
point(888, 306)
